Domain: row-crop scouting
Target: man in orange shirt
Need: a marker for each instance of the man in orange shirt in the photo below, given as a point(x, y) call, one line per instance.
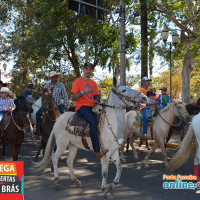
point(83, 91)
point(145, 85)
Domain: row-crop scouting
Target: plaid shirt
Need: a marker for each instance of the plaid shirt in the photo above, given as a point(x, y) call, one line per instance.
point(5, 103)
point(58, 91)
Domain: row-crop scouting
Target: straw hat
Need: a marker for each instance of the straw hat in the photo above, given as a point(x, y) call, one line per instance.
point(53, 73)
point(5, 89)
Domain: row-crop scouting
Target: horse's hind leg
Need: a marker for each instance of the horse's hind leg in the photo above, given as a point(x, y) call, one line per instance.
point(70, 161)
point(61, 147)
point(38, 153)
point(131, 141)
point(4, 150)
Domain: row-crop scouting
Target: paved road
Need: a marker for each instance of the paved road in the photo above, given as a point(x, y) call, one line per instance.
point(136, 182)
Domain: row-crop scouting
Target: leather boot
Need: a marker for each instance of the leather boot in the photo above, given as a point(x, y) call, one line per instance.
point(102, 153)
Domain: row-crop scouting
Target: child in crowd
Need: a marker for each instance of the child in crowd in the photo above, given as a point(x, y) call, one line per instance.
point(147, 110)
point(6, 103)
point(163, 98)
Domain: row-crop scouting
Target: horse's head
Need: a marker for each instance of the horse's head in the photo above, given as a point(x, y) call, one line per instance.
point(22, 104)
point(127, 95)
point(180, 110)
point(22, 109)
point(48, 103)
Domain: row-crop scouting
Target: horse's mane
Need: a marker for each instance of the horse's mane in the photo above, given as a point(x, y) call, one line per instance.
point(165, 109)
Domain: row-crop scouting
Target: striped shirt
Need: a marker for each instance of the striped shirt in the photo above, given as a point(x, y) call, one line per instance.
point(58, 92)
point(5, 103)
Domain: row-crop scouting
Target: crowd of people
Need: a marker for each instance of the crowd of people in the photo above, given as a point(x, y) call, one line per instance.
point(83, 91)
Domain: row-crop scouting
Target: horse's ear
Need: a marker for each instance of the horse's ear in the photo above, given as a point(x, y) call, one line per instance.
point(115, 81)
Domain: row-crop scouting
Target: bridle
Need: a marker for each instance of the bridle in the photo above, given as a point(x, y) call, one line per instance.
point(123, 98)
point(18, 127)
point(180, 116)
point(51, 105)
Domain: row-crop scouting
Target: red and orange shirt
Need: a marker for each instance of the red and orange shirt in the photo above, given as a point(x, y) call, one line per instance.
point(143, 91)
point(87, 99)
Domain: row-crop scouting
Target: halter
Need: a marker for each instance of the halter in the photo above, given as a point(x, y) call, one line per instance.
point(180, 115)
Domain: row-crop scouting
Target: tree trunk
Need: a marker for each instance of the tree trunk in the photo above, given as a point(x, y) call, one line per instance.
point(186, 72)
point(144, 40)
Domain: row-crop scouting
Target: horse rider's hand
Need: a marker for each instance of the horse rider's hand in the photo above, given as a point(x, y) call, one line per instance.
point(95, 101)
point(65, 107)
point(49, 90)
point(87, 90)
point(9, 108)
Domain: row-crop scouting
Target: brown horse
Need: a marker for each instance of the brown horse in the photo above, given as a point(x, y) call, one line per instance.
point(49, 115)
point(13, 126)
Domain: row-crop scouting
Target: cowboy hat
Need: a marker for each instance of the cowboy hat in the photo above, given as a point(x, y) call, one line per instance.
point(5, 89)
point(53, 73)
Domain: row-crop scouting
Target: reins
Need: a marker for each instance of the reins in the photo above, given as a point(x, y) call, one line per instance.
point(174, 125)
point(19, 128)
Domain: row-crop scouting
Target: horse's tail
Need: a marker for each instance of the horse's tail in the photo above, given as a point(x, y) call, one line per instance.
point(48, 153)
point(185, 150)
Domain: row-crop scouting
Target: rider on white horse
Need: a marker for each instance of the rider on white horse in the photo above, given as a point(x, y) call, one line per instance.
point(83, 92)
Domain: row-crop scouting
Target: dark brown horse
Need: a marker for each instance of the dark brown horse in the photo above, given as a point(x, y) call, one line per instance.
point(14, 125)
point(49, 115)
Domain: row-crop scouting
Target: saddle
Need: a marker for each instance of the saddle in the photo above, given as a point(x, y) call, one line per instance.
point(139, 121)
point(77, 126)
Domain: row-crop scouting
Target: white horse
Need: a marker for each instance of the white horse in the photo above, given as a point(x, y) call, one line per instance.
point(35, 107)
point(190, 144)
point(162, 123)
point(113, 126)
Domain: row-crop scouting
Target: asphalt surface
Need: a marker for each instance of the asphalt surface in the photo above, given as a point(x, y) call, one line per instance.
point(136, 182)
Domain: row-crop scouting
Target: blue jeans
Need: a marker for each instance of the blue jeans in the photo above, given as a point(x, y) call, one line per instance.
point(145, 113)
point(88, 115)
point(39, 113)
point(2, 114)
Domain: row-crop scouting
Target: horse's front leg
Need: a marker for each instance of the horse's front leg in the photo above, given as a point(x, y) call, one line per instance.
point(104, 166)
point(162, 147)
point(155, 146)
point(115, 158)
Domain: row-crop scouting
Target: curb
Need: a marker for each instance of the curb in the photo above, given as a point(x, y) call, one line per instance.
point(171, 145)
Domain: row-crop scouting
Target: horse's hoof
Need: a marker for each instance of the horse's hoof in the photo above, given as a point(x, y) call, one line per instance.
point(108, 195)
point(77, 182)
point(136, 159)
point(57, 183)
point(145, 164)
point(35, 159)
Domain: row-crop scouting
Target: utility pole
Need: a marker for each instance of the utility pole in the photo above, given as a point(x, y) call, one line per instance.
point(122, 45)
point(144, 39)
